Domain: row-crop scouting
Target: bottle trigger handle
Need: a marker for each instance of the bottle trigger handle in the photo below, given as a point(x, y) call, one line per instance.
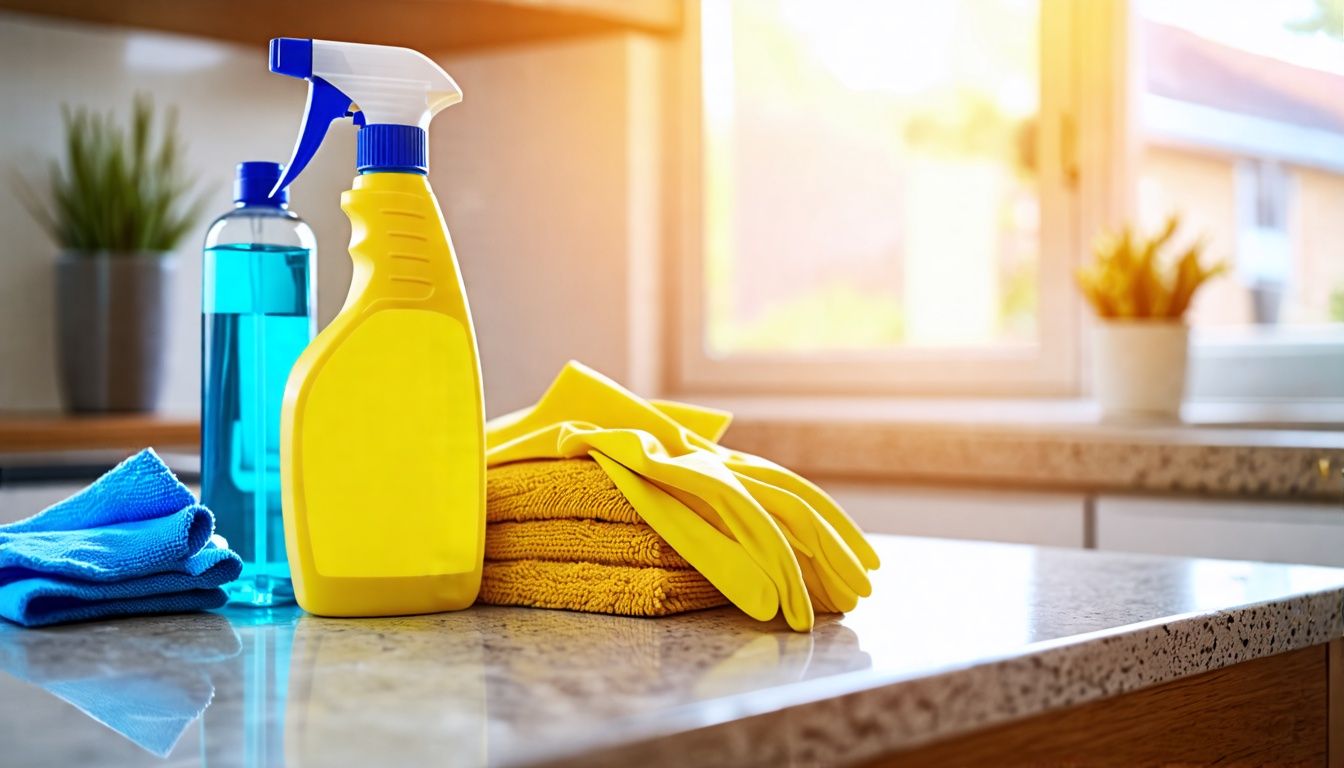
point(326, 103)
point(398, 89)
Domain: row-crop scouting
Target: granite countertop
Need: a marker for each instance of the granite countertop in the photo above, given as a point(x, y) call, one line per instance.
point(957, 636)
point(1274, 450)
point(1052, 445)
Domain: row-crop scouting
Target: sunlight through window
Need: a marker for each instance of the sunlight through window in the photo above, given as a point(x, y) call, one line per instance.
point(870, 175)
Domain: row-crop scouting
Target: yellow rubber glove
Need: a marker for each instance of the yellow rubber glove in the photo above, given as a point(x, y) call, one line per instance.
point(581, 394)
point(720, 559)
point(703, 476)
point(580, 391)
point(765, 526)
point(709, 423)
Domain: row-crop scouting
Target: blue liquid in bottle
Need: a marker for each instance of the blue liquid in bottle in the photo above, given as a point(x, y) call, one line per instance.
point(257, 316)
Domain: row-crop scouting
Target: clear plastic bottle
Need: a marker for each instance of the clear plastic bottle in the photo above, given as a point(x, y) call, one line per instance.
point(257, 315)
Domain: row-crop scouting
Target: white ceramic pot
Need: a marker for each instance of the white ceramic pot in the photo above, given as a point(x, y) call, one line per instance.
point(1139, 369)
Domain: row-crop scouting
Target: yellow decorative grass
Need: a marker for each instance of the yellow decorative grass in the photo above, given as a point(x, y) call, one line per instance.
point(1128, 279)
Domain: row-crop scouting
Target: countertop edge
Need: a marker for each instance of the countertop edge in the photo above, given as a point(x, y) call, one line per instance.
point(829, 722)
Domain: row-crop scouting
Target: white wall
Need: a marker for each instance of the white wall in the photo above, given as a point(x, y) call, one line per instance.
point(547, 173)
point(230, 109)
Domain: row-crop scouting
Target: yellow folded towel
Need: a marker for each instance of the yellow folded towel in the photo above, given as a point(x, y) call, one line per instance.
point(597, 588)
point(583, 541)
point(561, 535)
point(555, 489)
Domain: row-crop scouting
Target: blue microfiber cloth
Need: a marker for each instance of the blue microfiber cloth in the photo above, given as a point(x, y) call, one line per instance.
point(135, 541)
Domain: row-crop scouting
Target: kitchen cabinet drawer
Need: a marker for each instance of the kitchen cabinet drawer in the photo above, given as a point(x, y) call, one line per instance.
point(1010, 516)
point(1239, 530)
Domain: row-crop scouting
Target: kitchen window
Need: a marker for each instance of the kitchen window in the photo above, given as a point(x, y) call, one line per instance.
point(891, 196)
point(1242, 130)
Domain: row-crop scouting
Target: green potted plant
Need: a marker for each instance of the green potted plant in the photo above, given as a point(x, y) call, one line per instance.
point(1141, 342)
point(117, 205)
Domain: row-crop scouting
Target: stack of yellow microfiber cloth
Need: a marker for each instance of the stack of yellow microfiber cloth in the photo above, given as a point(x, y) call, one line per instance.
point(600, 500)
point(561, 535)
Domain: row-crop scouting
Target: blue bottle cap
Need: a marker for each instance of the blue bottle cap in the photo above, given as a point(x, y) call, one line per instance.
point(391, 147)
point(253, 183)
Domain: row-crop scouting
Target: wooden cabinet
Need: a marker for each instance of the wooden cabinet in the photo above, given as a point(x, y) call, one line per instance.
point(1277, 710)
point(431, 26)
point(1240, 530)
point(35, 433)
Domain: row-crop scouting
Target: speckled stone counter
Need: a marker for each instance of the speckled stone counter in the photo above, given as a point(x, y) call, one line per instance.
point(958, 636)
point(1062, 446)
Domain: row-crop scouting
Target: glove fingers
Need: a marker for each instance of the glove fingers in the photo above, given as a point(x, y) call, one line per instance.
point(722, 561)
point(706, 512)
point(835, 559)
point(698, 506)
point(792, 521)
point(838, 596)
point(800, 535)
point(826, 589)
point(819, 576)
point(705, 476)
point(769, 472)
point(821, 602)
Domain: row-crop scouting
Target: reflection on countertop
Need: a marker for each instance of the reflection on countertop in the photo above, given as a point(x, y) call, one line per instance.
point(148, 684)
point(958, 635)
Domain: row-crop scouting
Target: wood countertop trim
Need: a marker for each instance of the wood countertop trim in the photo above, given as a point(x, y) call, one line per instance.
point(431, 26)
point(1269, 711)
point(36, 432)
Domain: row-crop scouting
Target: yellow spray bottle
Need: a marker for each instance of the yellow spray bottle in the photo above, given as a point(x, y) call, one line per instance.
point(381, 438)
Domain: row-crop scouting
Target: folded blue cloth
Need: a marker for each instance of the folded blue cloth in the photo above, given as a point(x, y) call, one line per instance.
point(135, 541)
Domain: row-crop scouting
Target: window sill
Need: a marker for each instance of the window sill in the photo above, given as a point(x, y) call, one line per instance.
point(1262, 450)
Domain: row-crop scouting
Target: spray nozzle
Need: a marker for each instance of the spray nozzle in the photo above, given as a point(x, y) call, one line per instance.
point(396, 91)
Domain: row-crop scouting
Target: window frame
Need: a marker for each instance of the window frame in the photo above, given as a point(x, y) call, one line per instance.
point(1049, 368)
point(1087, 152)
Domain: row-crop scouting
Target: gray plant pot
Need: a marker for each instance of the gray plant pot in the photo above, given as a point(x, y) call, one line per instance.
point(112, 324)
